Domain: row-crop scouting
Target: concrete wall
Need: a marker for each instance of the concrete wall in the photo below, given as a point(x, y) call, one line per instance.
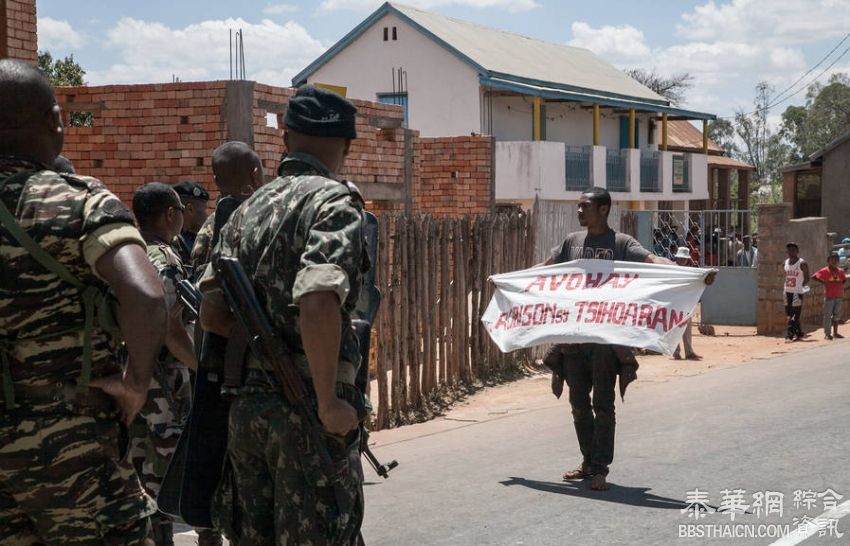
point(835, 179)
point(733, 298)
point(565, 122)
point(443, 92)
point(527, 169)
point(776, 228)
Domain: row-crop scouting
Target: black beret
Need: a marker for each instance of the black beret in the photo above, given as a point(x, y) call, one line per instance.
point(322, 113)
point(191, 190)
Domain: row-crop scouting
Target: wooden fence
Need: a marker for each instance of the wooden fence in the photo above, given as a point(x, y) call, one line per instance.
point(432, 272)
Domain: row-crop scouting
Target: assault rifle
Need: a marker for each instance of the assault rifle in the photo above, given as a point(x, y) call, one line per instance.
point(274, 357)
point(190, 298)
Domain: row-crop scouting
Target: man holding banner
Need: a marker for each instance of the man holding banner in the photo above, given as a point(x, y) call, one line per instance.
point(596, 309)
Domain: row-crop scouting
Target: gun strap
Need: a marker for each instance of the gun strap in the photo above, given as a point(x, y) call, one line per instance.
point(234, 358)
point(88, 293)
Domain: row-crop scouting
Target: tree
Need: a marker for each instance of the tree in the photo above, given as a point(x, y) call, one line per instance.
point(824, 117)
point(722, 132)
point(672, 88)
point(66, 72)
point(761, 147)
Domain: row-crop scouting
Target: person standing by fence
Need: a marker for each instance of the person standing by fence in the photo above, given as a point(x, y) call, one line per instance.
point(833, 278)
point(683, 259)
point(796, 284)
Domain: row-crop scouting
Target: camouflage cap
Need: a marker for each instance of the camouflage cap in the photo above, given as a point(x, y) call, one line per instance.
point(322, 113)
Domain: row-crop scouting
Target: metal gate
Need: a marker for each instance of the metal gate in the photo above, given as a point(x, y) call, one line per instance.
point(714, 238)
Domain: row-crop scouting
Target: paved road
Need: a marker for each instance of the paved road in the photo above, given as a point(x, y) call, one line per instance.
point(777, 425)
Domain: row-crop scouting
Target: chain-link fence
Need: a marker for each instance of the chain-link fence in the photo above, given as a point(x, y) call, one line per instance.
point(714, 238)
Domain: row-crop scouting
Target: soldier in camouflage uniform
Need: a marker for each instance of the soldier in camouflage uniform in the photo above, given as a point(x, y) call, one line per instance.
point(300, 240)
point(238, 171)
point(63, 479)
point(159, 213)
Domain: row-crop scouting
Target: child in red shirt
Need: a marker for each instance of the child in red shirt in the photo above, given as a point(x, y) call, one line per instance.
point(833, 279)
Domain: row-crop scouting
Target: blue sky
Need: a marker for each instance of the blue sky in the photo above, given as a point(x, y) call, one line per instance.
point(727, 45)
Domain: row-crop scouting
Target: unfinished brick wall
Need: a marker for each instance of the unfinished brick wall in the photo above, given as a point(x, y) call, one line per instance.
point(167, 133)
point(18, 37)
point(144, 133)
point(776, 229)
point(454, 175)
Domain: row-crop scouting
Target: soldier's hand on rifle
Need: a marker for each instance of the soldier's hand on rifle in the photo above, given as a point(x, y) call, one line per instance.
point(338, 417)
point(129, 396)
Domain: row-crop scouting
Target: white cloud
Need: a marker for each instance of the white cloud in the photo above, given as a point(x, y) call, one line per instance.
point(617, 45)
point(716, 66)
point(58, 35)
point(786, 21)
point(153, 52)
point(512, 6)
point(278, 9)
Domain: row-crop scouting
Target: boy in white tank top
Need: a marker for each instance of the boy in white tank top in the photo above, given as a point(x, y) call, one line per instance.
point(796, 284)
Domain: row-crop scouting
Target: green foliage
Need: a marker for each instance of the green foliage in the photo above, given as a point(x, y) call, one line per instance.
point(66, 72)
point(824, 117)
point(722, 132)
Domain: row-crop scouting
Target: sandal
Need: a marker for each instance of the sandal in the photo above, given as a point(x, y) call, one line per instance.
point(580, 473)
point(599, 483)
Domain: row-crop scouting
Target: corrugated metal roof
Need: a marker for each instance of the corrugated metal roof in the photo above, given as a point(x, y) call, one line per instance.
point(725, 161)
point(506, 53)
point(682, 134)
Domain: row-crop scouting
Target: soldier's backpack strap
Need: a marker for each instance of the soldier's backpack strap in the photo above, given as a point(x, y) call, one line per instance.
point(88, 293)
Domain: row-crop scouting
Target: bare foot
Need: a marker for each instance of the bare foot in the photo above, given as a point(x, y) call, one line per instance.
point(677, 356)
point(693, 356)
point(599, 483)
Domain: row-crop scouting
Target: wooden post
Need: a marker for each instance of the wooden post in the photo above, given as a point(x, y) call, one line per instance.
point(536, 120)
point(632, 128)
point(596, 125)
point(664, 132)
point(705, 136)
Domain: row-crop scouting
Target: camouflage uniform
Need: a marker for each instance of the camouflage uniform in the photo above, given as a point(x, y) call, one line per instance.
point(301, 233)
point(203, 246)
point(62, 477)
point(154, 434)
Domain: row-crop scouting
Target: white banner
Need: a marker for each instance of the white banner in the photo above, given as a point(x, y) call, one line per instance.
point(594, 301)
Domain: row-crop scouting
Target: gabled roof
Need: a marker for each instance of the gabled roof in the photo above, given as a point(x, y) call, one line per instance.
point(831, 146)
point(511, 61)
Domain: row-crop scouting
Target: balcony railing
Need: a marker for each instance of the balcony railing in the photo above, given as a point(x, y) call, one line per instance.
point(578, 168)
point(615, 171)
point(681, 175)
point(649, 179)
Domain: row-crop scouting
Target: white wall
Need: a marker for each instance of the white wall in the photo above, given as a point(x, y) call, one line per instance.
point(443, 92)
point(565, 122)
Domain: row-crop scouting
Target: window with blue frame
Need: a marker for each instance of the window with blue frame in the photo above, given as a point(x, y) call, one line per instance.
point(399, 99)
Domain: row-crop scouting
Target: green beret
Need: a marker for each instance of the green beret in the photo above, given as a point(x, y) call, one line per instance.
point(322, 113)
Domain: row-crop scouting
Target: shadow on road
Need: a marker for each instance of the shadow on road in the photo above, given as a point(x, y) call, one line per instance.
point(633, 496)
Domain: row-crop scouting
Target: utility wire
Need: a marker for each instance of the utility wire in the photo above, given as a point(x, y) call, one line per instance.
point(778, 99)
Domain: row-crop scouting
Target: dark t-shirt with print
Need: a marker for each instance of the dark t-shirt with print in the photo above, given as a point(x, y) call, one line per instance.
point(608, 246)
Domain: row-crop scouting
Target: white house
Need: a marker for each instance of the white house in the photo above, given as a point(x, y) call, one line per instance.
point(563, 119)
